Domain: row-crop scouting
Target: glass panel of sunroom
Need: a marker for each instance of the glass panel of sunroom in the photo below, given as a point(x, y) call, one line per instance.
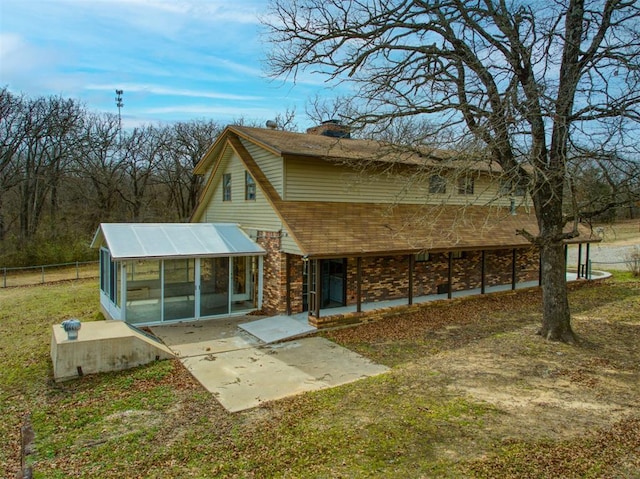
point(244, 275)
point(214, 286)
point(144, 291)
point(179, 289)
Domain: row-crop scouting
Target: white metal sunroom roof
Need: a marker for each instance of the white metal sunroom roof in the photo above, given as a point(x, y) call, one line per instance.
point(171, 240)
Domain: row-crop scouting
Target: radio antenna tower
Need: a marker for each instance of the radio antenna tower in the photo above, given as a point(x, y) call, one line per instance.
point(119, 104)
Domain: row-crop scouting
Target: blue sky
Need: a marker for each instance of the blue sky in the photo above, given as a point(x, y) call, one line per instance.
point(176, 60)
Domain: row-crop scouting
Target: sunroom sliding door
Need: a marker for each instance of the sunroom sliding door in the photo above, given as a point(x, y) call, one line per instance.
point(179, 289)
point(244, 287)
point(214, 286)
point(144, 291)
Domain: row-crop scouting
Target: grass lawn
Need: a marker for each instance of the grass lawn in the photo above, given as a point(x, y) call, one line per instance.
point(625, 231)
point(472, 392)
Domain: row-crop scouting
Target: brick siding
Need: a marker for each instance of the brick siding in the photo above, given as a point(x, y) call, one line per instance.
point(386, 277)
point(273, 279)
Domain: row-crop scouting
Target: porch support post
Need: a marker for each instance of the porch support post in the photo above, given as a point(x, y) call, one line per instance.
point(318, 287)
point(514, 257)
point(359, 284)
point(587, 273)
point(579, 260)
point(260, 280)
point(483, 272)
point(123, 291)
point(287, 275)
point(449, 276)
point(411, 266)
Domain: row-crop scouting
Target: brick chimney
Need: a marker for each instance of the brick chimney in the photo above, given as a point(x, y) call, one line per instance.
point(331, 128)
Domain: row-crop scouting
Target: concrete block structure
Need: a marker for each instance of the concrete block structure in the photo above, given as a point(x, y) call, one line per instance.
point(102, 346)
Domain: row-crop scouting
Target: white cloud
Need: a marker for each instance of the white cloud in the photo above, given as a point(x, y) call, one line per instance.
point(147, 116)
point(166, 91)
point(229, 111)
point(225, 11)
point(160, 52)
point(18, 58)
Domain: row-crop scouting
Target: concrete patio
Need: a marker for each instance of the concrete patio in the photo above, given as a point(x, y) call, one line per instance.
point(242, 372)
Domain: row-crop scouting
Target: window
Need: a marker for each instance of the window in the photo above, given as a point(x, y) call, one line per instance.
point(458, 254)
point(109, 278)
point(437, 184)
point(465, 185)
point(226, 187)
point(249, 187)
point(422, 257)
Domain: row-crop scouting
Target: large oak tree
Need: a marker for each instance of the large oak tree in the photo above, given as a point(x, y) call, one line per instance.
point(544, 85)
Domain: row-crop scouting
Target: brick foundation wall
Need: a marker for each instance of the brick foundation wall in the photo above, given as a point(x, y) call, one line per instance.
point(382, 313)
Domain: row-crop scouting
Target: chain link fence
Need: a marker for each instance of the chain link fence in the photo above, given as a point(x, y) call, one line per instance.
point(49, 273)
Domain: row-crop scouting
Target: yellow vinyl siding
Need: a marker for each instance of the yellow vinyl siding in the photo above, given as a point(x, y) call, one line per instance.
point(315, 180)
point(256, 214)
point(288, 245)
point(270, 164)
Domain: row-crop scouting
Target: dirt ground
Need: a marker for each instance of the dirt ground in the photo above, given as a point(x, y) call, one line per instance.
point(543, 391)
point(548, 391)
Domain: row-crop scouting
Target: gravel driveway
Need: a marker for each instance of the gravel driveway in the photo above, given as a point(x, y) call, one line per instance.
point(603, 256)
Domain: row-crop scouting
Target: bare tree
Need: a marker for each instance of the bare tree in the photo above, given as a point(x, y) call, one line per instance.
point(542, 88)
point(97, 175)
point(49, 126)
point(11, 137)
point(282, 121)
point(141, 149)
point(187, 143)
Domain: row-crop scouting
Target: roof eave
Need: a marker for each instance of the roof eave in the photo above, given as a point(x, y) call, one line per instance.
point(158, 258)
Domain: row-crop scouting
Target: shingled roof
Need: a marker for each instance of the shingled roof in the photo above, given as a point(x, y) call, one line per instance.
point(291, 144)
point(324, 229)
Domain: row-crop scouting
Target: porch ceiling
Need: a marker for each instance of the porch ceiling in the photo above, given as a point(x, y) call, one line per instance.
point(174, 240)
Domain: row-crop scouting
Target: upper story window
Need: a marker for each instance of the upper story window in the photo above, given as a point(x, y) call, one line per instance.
point(437, 184)
point(507, 187)
point(249, 187)
point(465, 185)
point(226, 187)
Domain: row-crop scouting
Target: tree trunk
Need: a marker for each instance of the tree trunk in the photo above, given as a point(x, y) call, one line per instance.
point(556, 318)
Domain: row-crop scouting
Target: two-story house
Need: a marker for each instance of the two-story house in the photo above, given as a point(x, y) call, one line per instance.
point(321, 220)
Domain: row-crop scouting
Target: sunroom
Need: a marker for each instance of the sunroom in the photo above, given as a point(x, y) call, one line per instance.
point(161, 272)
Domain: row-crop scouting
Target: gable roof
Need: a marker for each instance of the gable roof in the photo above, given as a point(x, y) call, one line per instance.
point(291, 144)
point(173, 240)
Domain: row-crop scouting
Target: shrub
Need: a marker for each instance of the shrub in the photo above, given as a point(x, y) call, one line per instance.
point(632, 259)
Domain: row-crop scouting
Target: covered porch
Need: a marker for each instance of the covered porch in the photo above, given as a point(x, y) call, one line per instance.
point(156, 273)
point(343, 315)
point(332, 291)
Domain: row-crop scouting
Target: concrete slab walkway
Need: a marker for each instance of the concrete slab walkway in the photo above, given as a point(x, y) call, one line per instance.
point(242, 372)
point(198, 338)
point(277, 328)
point(244, 379)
